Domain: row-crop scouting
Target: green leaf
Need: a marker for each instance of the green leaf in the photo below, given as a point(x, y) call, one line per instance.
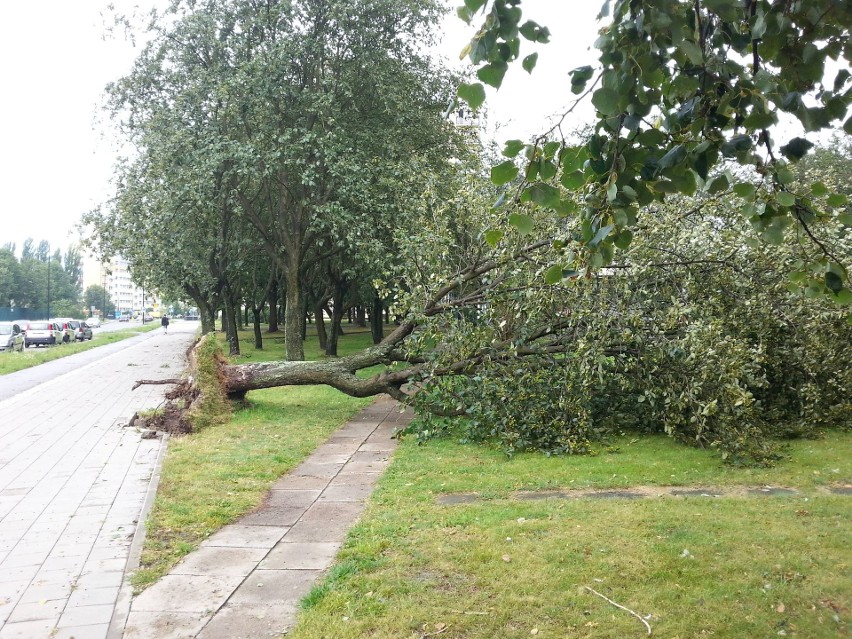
point(843, 297)
point(836, 199)
point(845, 219)
point(493, 237)
point(524, 223)
point(492, 74)
point(473, 94)
point(759, 120)
point(623, 239)
point(529, 62)
point(847, 126)
point(544, 195)
point(819, 189)
point(718, 184)
point(553, 275)
point(692, 51)
point(503, 172)
point(833, 282)
point(796, 148)
point(573, 180)
point(606, 101)
point(785, 198)
point(547, 170)
point(745, 190)
point(601, 234)
point(512, 148)
point(675, 156)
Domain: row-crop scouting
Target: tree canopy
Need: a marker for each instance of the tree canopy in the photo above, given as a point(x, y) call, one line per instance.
point(691, 97)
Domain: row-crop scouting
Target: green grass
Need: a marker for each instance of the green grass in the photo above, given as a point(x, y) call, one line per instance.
point(743, 566)
point(33, 356)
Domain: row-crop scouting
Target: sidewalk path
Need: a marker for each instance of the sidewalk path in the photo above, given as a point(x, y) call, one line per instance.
point(73, 482)
point(245, 581)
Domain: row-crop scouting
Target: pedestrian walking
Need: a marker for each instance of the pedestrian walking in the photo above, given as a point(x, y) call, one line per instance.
point(165, 324)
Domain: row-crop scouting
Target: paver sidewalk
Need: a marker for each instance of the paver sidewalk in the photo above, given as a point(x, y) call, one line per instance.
point(245, 580)
point(73, 482)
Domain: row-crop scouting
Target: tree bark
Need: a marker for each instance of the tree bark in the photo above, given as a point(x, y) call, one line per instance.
point(258, 334)
point(272, 299)
point(377, 327)
point(293, 316)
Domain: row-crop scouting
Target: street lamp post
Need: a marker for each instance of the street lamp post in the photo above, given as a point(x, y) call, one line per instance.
point(48, 281)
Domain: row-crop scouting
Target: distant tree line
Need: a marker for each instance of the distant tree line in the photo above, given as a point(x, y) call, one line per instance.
point(38, 279)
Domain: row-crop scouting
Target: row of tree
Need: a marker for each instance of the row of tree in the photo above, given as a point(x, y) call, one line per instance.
point(281, 147)
point(39, 279)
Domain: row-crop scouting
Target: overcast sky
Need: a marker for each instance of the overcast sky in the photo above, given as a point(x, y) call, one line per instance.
point(54, 62)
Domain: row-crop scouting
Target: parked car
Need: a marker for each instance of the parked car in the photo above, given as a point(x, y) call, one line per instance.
point(94, 322)
point(82, 331)
point(124, 317)
point(11, 337)
point(67, 327)
point(191, 317)
point(46, 333)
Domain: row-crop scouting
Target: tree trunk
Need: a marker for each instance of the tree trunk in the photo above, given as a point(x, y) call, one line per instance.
point(258, 334)
point(322, 335)
point(272, 299)
point(377, 327)
point(229, 325)
point(337, 314)
point(293, 315)
point(360, 316)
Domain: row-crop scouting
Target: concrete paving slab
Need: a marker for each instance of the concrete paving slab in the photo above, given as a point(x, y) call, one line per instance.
point(86, 615)
point(267, 587)
point(301, 556)
point(249, 621)
point(245, 536)
point(308, 482)
point(98, 631)
point(211, 560)
point(93, 597)
point(164, 625)
point(327, 522)
point(39, 610)
point(27, 629)
point(347, 492)
point(202, 594)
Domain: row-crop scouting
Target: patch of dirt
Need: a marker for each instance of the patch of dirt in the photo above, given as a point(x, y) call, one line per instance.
point(171, 421)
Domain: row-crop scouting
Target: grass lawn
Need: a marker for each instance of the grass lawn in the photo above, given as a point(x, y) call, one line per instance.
point(501, 565)
point(33, 356)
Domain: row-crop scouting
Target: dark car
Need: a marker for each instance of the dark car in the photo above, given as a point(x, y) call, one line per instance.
point(82, 331)
point(11, 337)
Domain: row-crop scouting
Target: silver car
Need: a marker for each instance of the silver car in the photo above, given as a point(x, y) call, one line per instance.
point(11, 337)
point(43, 332)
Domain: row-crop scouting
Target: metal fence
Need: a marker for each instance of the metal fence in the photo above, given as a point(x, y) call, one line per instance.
point(14, 314)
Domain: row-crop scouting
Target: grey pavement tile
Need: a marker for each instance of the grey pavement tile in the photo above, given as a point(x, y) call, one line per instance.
point(74, 563)
point(16, 575)
point(158, 625)
point(212, 560)
point(18, 559)
point(43, 590)
point(293, 482)
point(325, 521)
point(328, 458)
point(85, 615)
point(275, 587)
point(27, 630)
point(317, 470)
point(97, 631)
point(339, 491)
point(379, 444)
point(37, 611)
point(186, 593)
point(100, 579)
point(244, 536)
point(274, 516)
point(105, 565)
point(250, 621)
point(93, 596)
point(301, 556)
